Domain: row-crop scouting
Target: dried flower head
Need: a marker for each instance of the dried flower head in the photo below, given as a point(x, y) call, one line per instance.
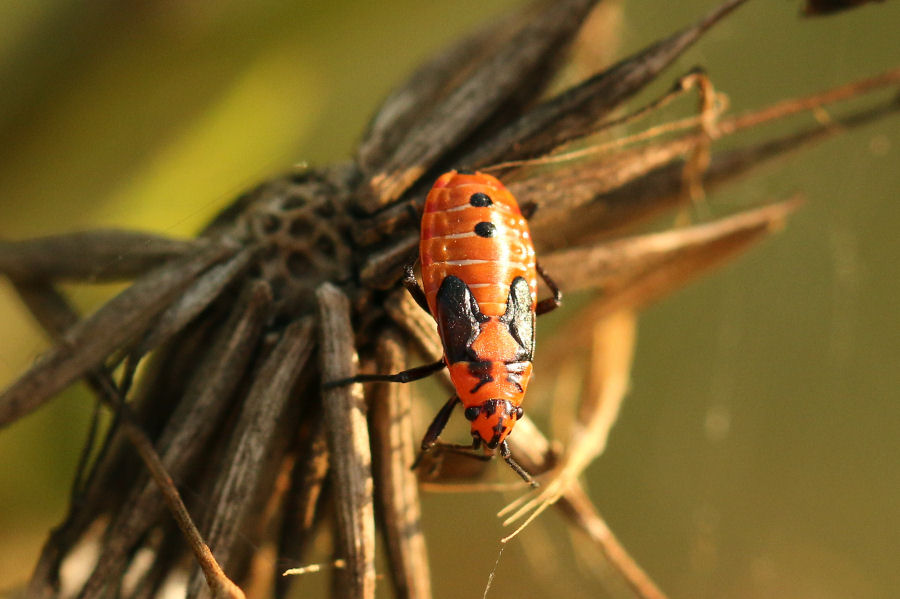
point(212, 360)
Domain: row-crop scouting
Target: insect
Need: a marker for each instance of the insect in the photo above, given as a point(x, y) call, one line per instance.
point(479, 273)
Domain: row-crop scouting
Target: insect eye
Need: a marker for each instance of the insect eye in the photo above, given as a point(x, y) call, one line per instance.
point(519, 413)
point(472, 412)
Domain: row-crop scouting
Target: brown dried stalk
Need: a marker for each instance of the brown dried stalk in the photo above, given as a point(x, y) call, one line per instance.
point(393, 440)
point(229, 402)
point(56, 316)
point(345, 420)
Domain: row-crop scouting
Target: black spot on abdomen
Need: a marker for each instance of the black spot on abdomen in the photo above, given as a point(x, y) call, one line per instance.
point(485, 229)
point(480, 200)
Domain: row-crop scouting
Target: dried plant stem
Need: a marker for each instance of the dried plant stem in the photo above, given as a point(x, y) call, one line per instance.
point(578, 506)
point(56, 316)
point(393, 439)
point(635, 271)
point(95, 256)
point(247, 456)
point(220, 586)
point(570, 114)
point(87, 344)
point(307, 489)
point(797, 105)
point(526, 56)
point(713, 105)
point(348, 435)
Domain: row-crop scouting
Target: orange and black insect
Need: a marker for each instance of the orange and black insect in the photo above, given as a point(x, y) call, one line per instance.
point(480, 285)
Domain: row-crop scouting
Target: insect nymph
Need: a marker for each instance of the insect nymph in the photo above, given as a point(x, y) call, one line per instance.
point(480, 285)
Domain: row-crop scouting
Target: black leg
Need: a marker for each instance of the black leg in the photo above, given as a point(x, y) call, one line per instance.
point(413, 374)
point(413, 210)
point(528, 209)
point(504, 452)
point(470, 451)
point(437, 425)
point(551, 303)
point(434, 429)
point(412, 285)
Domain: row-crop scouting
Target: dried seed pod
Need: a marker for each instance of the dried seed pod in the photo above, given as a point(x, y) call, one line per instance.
point(228, 409)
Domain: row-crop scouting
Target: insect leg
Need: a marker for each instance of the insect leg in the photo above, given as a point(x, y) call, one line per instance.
point(466, 450)
point(412, 285)
point(507, 456)
point(551, 303)
point(406, 376)
point(435, 428)
point(528, 209)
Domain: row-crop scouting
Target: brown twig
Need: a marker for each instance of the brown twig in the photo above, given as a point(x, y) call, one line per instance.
point(394, 444)
point(348, 438)
point(55, 316)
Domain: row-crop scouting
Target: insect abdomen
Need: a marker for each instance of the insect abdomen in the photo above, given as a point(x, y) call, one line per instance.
point(472, 229)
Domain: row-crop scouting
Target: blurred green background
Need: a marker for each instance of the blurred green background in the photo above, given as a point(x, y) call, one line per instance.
point(757, 455)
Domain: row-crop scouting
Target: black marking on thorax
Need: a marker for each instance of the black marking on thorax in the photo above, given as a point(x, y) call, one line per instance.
point(459, 319)
point(519, 317)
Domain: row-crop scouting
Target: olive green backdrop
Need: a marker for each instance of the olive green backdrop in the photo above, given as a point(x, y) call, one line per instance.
point(757, 455)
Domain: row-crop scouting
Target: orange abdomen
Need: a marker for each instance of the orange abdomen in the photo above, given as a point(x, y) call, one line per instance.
point(472, 228)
